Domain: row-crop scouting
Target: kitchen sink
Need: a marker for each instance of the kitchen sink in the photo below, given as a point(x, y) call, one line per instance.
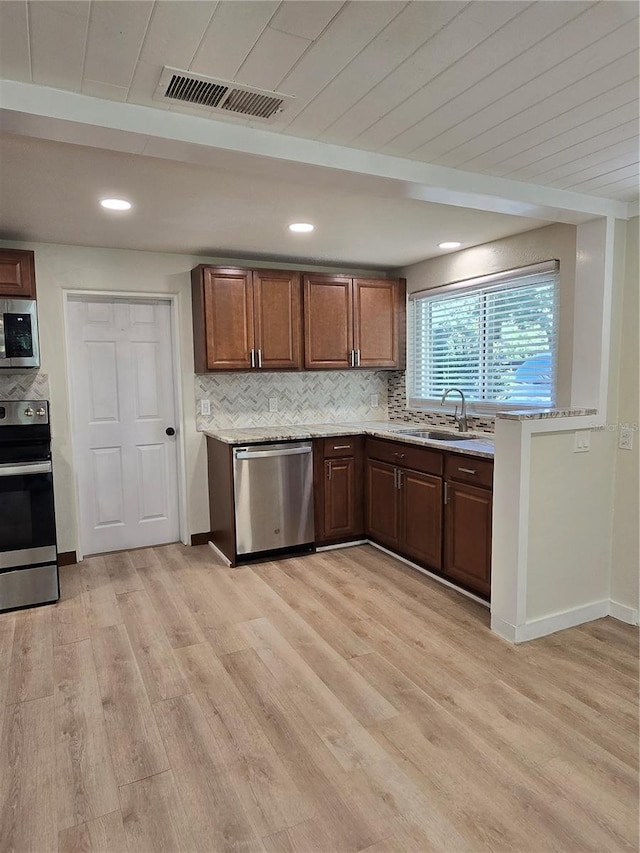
point(434, 435)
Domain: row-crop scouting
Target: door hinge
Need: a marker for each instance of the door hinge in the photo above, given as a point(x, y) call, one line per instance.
point(329, 471)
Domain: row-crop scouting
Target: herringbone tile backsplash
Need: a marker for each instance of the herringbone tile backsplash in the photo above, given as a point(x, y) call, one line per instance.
point(397, 403)
point(242, 399)
point(24, 386)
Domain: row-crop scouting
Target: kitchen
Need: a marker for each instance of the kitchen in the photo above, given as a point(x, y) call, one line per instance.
point(541, 529)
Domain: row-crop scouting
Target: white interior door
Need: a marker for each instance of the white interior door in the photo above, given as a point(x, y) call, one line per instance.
point(123, 402)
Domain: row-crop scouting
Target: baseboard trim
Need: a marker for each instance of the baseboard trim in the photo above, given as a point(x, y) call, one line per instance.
point(339, 545)
point(428, 573)
point(550, 624)
point(623, 613)
point(200, 538)
point(504, 629)
point(217, 551)
point(67, 558)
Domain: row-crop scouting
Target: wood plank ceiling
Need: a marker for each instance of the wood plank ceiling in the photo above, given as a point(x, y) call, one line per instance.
point(543, 92)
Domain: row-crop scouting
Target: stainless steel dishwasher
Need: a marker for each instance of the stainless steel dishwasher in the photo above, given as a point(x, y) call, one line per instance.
point(273, 491)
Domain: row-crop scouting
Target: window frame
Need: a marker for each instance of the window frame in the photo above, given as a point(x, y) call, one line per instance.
point(495, 281)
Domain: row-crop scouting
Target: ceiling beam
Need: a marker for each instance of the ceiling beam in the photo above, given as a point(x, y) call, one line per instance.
point(31, 110)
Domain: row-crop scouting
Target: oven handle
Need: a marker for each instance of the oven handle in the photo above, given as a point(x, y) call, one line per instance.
point(14, 469)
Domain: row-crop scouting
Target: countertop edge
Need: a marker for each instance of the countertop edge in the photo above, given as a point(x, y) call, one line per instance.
point(543, 414)
point(304, 433)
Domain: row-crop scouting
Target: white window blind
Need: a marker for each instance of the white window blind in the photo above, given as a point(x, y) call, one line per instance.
point(493, 337)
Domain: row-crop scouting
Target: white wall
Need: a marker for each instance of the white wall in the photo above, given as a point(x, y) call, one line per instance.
point(625, 569)
point(542, 244)
point(60, 268)
point(569, 524)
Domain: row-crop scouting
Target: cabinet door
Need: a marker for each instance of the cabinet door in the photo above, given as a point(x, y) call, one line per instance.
point(382, 504)
point(328, 322)
point(421, 517)
point(278, 319)
point(17, 274)
point(340, 509)
point(228, 318)
point(378, 322)
point(468, 536)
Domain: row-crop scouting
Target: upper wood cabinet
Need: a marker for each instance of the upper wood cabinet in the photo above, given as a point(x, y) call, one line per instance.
point(353, 322)
point(246, 319)
point(17, 274)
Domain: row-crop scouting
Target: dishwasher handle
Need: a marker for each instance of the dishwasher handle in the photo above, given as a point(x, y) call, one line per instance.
point(243, 453)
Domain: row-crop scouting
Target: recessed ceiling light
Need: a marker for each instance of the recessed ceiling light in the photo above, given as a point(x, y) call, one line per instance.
point(301, 227)
point(115, 204)
point(450, 244)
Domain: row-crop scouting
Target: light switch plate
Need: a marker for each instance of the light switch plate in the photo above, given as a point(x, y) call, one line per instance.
point(273, 404)
point(205, 407)
point(582, 441)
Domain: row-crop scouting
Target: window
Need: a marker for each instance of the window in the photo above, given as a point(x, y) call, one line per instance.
point(493, 337)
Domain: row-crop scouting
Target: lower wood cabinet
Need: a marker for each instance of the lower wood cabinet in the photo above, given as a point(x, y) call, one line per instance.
point(403, 499)
point(421, 516)
point(468, 521)
point(338, 489)
point(468, 517)
point(382, 507)
point(433, 507)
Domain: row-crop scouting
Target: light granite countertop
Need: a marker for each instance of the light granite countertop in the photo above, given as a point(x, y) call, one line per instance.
point(478, 444)
point(541, 414)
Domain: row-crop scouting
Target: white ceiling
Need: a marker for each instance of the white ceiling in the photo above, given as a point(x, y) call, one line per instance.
point(203, 210)
point(544, 93)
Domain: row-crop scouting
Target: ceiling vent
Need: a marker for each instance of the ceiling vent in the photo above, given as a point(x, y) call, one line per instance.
point(210, 94)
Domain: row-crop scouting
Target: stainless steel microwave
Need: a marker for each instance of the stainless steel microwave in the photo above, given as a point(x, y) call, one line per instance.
point(18, 334)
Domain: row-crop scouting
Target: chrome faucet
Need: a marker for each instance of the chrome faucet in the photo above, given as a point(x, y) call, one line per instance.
point(462, 420)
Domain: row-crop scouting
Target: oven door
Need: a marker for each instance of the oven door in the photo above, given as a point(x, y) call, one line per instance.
point(27, 520)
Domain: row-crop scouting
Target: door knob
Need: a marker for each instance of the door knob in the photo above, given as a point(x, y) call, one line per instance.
point(170, 431)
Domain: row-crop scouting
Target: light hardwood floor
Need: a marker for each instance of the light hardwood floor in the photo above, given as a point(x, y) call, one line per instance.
point(337, 702)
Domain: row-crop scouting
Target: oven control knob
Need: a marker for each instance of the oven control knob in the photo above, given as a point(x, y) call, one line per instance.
point(29, 412)
point(41, 412)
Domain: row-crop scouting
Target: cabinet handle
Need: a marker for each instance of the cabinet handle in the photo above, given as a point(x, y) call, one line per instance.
point(329, 471)
point(467, 471)
point(399, 455)
point(259, 358)
point(395, 478)
point(342, 447)
point(253, 358)
point(399, 478)
point(357, 358)
point(352, 358)
point(446, 493)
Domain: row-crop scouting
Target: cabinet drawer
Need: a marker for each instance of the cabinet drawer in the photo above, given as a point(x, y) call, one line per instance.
point(341, 445)
point(469, 469)
point(405, 455)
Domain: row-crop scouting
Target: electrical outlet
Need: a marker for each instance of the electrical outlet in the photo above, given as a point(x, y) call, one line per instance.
point(375, 401)
point(625, 442)
point(273, 404)
point(582, 441)
point(205, 407)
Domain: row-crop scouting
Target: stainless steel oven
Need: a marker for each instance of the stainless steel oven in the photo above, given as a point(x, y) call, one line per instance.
point(28, 555)
point(19, 334)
